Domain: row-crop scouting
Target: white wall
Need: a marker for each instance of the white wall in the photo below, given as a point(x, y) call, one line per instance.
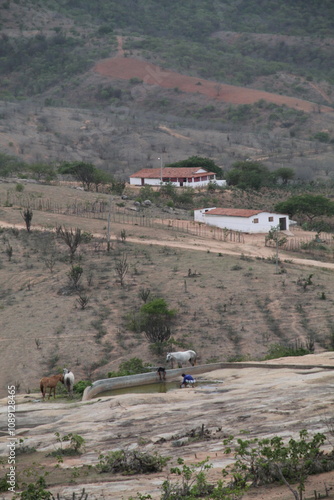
point(137, 181)
point(220, 182)
point(199, 215)
point(246, 224)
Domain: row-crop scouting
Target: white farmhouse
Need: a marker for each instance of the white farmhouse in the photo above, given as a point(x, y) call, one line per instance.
point(244, 220)
point(186, 177)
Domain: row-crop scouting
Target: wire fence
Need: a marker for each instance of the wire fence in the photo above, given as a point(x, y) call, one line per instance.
point(100, 210)
point(319, 245)
point(322, 243)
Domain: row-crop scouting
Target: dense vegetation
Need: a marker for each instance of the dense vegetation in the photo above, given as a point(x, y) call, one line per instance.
point(199, 18)
point(180, 35)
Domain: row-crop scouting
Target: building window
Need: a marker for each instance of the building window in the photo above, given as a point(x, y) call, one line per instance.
point(256, 221)
point(271, 219)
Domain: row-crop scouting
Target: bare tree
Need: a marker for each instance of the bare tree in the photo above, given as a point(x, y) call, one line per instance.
point(72, 238)
point(122, 267)
point(50, 261)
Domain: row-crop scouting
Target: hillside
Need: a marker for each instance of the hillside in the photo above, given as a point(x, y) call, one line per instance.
point(85, 96)
point(231, 300)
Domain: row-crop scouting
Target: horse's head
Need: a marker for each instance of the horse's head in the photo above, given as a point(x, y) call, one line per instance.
point(65, 370)
point(168, 357)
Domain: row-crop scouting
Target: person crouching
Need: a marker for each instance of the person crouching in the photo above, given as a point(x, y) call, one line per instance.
point(188, 381)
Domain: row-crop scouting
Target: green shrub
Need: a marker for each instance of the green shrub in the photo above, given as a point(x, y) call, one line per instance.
point(4, 484)
point(80, 386)
point(76, 444)
point(36, 491)
point(322, 137)
point(128, 462)
point(131, 367)
point(282, 351)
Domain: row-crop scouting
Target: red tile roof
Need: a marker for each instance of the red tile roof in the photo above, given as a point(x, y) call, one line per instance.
point(234, 212)
point(154, 173)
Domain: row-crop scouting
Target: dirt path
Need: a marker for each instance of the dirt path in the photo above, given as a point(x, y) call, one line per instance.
point(126, 68)
point(174, 134)
point(253, 245)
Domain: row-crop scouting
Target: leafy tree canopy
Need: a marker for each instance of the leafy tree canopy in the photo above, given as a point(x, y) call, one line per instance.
point(156, 320)
point(42, 171)
point(248, 175)
point(86, 173)
point(285, 174)
point(9, 165)
point(157, 307)
point(198, 162)
point(309, 205)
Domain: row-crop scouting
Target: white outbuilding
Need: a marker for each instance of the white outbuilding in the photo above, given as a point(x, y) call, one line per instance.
point(180, 177)
point(244, 220)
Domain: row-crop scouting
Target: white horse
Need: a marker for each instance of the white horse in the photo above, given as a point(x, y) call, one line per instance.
point(181, 357)
point(68, 381)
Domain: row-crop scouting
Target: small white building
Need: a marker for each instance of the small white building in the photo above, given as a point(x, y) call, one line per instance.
point(180, 177)
point(240, 219)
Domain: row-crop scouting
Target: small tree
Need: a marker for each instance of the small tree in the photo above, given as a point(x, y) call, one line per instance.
point(72, 238)
point(156, 321)
point(27, 216)
point(9, 251)
point(307, 205)
point(121, 267)
point(75, 275)
point(274, 235)
point(86, 173)
point(144, 294)
point(285, 174)
point(83, 300)
point(50, 261)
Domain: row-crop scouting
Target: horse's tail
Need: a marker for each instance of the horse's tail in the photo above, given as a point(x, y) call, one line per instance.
point(68, 383)
point(41, 385)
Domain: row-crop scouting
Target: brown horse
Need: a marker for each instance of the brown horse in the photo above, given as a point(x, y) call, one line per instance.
point(50, 383)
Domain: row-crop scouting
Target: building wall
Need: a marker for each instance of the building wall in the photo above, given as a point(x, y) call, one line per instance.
point(247, 224)
point(137, 181)
point(199, 215)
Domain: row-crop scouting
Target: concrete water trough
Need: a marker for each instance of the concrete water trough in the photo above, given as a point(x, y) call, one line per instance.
point(110, 384)
point(115, 383)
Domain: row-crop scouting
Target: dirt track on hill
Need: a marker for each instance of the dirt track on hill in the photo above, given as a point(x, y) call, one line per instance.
point(125, 68)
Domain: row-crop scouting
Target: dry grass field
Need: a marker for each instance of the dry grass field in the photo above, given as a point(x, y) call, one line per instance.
point(232, 301)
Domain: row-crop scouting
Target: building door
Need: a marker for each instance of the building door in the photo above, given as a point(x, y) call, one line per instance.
point(282, 223)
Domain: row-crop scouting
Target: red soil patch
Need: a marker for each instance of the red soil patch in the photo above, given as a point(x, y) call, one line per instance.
point(125, 68)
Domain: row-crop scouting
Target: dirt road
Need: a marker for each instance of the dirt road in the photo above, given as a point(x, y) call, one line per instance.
point(253, 245)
